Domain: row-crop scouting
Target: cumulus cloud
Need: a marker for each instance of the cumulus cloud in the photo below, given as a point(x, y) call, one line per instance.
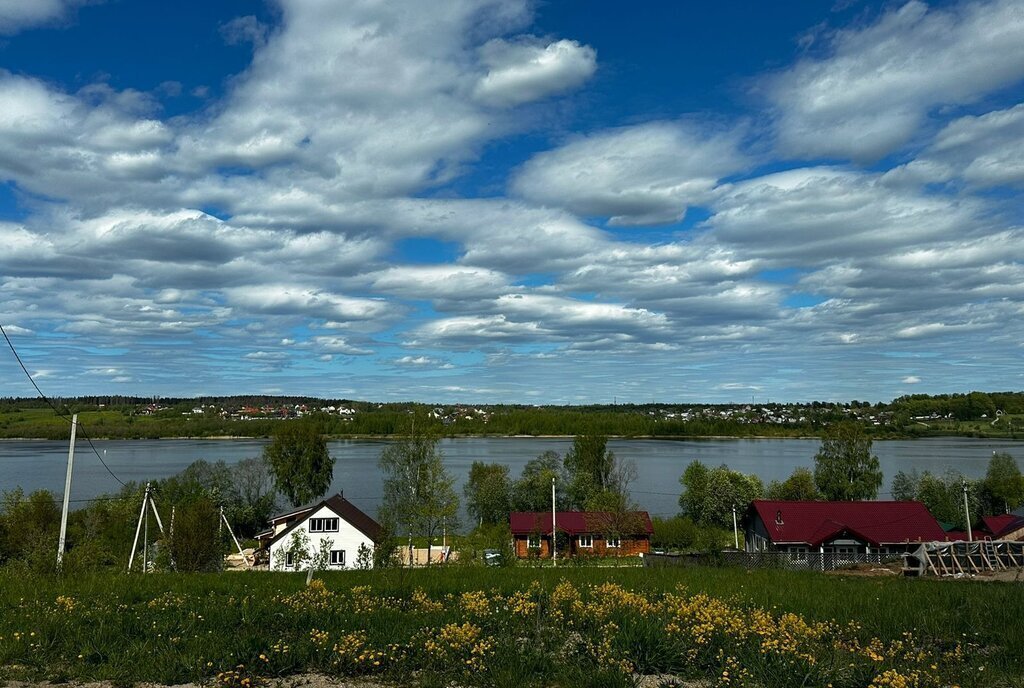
point(984, 150)
point(871, 91)
point(910, 380)
point(640, 175)
point(422, 362)
point(526, 70)
point(339, 345)
point(815, 215)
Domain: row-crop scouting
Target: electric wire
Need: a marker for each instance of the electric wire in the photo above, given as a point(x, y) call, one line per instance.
point(81, 426)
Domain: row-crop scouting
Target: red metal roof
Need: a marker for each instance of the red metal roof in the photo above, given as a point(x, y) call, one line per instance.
point(1002, 524)
point(874, 522)
point(575, 522)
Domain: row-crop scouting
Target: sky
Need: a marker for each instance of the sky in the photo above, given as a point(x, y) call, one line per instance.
point(491, 201)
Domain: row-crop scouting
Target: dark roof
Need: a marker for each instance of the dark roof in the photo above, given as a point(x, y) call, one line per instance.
point(877, 523)
point(575, 522)
point(1000, 525)
point(345, 510)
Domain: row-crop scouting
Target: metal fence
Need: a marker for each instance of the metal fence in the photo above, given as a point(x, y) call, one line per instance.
point(808, 561)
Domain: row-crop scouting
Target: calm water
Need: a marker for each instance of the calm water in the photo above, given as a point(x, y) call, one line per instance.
point(41, 464)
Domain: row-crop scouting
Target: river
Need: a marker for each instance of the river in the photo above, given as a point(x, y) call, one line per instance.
point(38, 464)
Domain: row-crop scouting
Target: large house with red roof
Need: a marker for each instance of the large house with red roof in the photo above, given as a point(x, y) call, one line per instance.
point(581, 533)
point(839, 528)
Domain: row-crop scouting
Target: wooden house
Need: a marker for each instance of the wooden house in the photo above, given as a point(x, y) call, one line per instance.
point(581, 533)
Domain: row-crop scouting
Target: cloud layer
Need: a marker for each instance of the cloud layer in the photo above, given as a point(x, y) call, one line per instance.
point(393, 200)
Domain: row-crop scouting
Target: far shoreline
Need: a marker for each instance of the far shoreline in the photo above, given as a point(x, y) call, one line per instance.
point(668, 438)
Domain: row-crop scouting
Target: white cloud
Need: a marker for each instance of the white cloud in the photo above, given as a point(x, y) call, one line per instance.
point(911, 380)
point(266, 356)
point(640, 175)
point(422, 362)
point(872, 91)
point(298, 300)
point(523, 71)
point(985, 150)
point(339, 345)
point(20, 14)
point(813, 215)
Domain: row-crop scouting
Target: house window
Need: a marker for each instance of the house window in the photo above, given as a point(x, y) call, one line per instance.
point(533, 541)
point(613, 542)
point(798, 554)
point(337, 557)
point(323, 525)
point(289, 560)
point(586, 540)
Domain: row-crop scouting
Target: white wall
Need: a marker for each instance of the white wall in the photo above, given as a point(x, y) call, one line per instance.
point(347, 538)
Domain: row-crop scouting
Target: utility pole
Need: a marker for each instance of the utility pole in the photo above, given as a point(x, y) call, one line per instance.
point(554, 528)
point(147, 500)
point(735, 528)
point(967, 512)
point(67, 493)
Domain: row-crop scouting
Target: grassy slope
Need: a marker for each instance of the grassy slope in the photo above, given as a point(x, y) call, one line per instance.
point(125, 643)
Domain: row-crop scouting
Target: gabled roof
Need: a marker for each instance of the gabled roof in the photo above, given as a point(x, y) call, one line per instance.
point(1000, 525)
point(343, 508)
point(576, 522)
point(877, 523)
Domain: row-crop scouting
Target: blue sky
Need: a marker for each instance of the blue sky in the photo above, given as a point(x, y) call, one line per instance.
point(487, 201)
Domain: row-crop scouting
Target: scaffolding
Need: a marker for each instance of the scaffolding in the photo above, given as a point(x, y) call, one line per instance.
point(964, 558)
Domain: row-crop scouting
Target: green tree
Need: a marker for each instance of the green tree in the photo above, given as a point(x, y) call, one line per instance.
point(195, 544)
point(695, 484)
point(942, 494)
point(300, 463)
point(532, 491)
point(1003, 484)
point(798, 487)
point(418, 491)
point(709, 495)
point(488, 493)
point(597, 479)
point(904, 485)
point(844, 467)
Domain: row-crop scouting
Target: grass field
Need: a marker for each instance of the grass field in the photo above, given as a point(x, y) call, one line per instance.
point(515, 627)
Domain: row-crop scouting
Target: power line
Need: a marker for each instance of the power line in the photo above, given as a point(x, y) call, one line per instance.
point(49, 403)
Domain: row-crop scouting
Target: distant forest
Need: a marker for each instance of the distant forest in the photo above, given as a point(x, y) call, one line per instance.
point(978, 414)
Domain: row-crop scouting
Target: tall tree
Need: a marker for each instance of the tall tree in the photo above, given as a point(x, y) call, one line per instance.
point(695, 484)
point(419, 496)
point(942, 494)
point(532, 491)
point(596, 476)
point(709, 495)
point(844, 467)
point(799, 487)
point(488, 493)
point(299, 460)
point(1003, 485)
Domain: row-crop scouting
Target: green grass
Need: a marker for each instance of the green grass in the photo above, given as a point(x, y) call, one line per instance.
point(173, 628)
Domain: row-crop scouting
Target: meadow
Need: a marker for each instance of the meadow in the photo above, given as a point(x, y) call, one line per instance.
point(514, 627)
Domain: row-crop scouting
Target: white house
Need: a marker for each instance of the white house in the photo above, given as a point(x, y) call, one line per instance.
point(334, 527)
